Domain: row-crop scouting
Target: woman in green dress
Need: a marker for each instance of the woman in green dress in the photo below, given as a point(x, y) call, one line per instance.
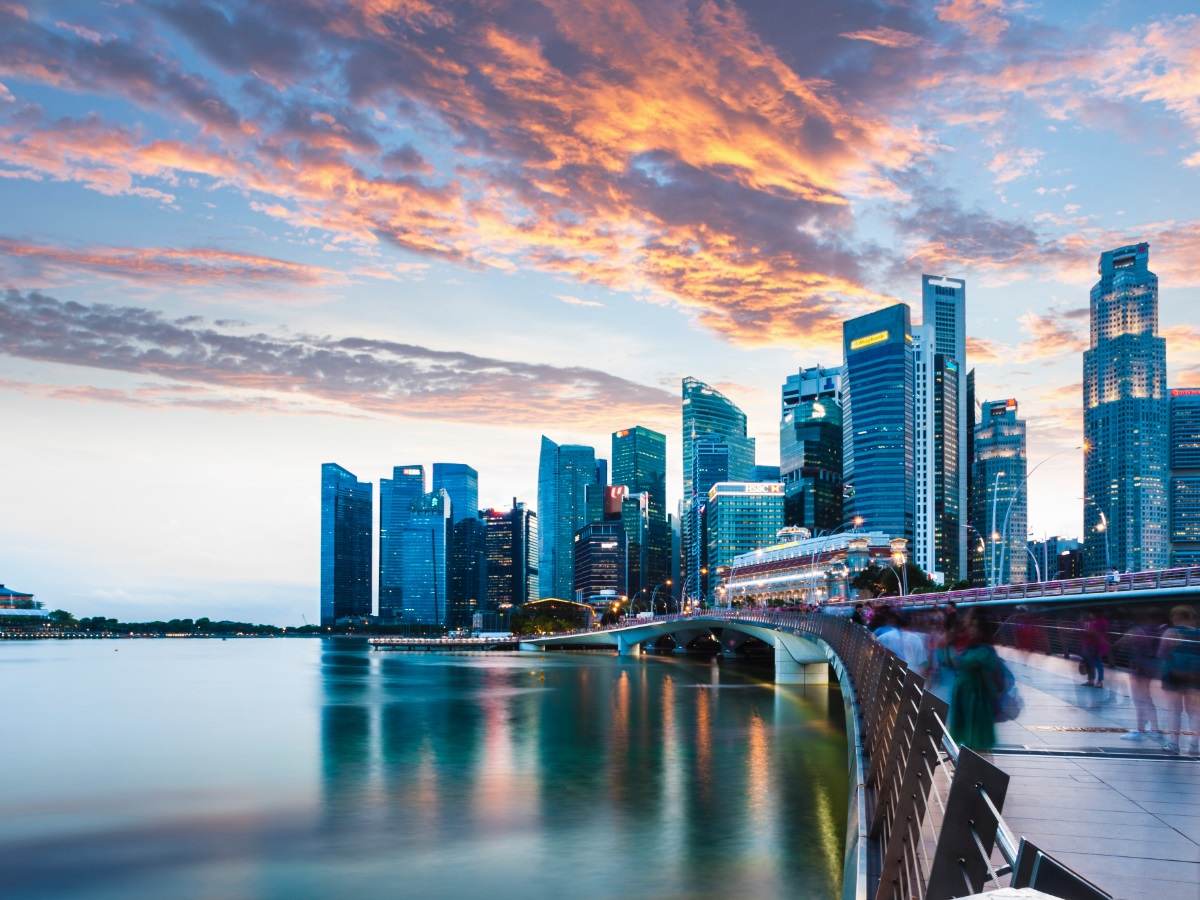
point(978, 683)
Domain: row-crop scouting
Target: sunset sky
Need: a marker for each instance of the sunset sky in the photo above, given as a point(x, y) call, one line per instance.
point(240, 240)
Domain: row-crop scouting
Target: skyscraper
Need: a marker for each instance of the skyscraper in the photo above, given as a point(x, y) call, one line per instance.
point(810, 448)
point(396, 498)
point(710, 464)
point(600, 561)
point(346, 512)
point(1185, 477)
point(923, 549)
point(461, 482)
point(974, 539)
point(1125, 419)
point(423, 560)
point(639, 462)
point(1000, 512)
point(511, 541)
point(739, 517)
point(878, 422)
point(570, 494)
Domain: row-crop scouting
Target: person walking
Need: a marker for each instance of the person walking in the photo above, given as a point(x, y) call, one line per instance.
point(1140, 644)
point(1180, 653)
point(978, 684)
point(1094, 646)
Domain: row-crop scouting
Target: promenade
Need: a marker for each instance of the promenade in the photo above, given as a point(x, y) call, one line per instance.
point(1122, 813)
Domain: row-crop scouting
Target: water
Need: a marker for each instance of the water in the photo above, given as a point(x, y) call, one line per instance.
point(308, 768)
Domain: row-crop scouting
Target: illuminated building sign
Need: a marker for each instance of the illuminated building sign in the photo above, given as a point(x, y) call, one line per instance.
point(1185, 392)
point(869, 340)
point(410, 471)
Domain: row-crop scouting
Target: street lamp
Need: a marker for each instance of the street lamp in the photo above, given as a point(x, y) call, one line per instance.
point(993, 534)
point(854, 524)
point(654, 594)
point(1103, 527)
point(1017, 493)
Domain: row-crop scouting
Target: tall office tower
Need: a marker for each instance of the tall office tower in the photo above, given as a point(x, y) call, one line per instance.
point(570, 496)
point(511, 541)
point(739, 517)
point(1125, 419)
point(461, 482)
point(423, 586)
point(1000, 512)
point(706, 411)
point(810, 448)
point(396, 498)
point(346, 512)
point(639, 462)
point(923, 549)
point(600, 561)
point(878, 422)
point(974, 539)
point(944, 306)
point(767, 473)
point(710, 464)
point(1185, 477)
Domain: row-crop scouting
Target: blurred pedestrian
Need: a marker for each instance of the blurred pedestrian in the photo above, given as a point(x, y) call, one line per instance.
point(1094, 646)
point(979, 683)
point(1140, 645)
point(902, 640)
point(1180, 653)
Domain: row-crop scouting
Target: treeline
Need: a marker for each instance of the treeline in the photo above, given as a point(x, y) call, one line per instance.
point(203, 625)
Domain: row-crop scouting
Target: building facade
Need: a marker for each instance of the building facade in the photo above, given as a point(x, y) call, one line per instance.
point(1125, 419)
point(511, 550)
point(879, 425)
point(1185, 477)
point(570, 495)
point(1053, 559)
point(975, 539)
point(810, 448)
point(346, 515)
point(601, 561)
point(1000, 513)
point(923, 547)
point(639, 463)
point(396, 498)
point(461, 484)
point(739, 517)
point(423, 582)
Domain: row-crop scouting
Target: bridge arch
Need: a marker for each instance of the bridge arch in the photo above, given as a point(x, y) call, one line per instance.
point(799, 659)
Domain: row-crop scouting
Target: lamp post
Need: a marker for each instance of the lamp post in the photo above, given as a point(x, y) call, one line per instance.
point(1103, 527)
point(654, 593)
point(1017, 493)
point(992, 535)
point(854, 524)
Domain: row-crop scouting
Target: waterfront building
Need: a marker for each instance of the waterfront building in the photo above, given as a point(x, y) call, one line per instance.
point(1053, 559)
point(799, 568)
point(923, 545)
point(739, 517)
point(975, 541)
point(461, 483)
point(600, 561)
point(570, 495)
point(944, 306)
point(423, 583)
point(635, 519)
point(346, 513)
point(1125, 419)
point(1185, 477)
point(511, 550)
point(639, 462)
point(878, 422)
point(396, 498)
point(810, 448)
point(1000, 512)
point(711, 464)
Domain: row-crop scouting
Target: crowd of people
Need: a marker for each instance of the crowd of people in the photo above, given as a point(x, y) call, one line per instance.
point(956, 655)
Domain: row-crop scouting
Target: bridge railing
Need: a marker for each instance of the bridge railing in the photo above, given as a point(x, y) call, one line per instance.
point(934, 807)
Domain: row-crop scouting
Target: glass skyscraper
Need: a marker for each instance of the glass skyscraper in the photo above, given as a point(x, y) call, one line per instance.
point(461, 482)
point(423, 561)
point(878, 422)
point(1185, 477)
point(1125, 419)
point(639, 462)
point(570, 495)
point(601, 561)
point(1000, 511)
point(739, 517)
point(511, 540)
point(810, 448)
point(346, 513)
point(396, 498)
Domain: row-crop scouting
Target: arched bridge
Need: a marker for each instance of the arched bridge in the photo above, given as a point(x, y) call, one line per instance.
point(800, 658)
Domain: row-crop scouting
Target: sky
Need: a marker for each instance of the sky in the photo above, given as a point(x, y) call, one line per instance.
point(242, 239)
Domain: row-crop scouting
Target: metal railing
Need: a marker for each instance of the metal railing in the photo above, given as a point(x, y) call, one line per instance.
point(933, 807)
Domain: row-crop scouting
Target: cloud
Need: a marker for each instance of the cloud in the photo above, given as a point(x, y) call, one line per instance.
point(884, 37)
point(576, 301)
point(983, 351)
point(1050, 335)
point(360, 375)
point(1009, 165)
point(985, 20)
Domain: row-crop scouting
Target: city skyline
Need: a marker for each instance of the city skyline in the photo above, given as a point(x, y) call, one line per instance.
point(243, 243)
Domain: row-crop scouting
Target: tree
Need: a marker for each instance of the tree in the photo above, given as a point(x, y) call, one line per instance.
point(884, 581)
point(63, 619)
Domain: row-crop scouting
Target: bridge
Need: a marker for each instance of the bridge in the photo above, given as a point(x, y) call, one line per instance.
point(925, 815)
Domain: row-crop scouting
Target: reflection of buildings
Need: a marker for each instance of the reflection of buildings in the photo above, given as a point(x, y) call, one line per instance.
point(346, 511)
point(805, 569)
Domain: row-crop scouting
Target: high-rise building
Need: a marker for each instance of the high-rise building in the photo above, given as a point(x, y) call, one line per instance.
point(975, 541)
point(396, 498)
point(635, 517)
point(1185, 477)
point(810, 448)
point(346, 512)
point(710, 465)
point(944, 306)
point(1125, 419)
point(511, 542)
point(461, 482)
point(1000, 512)
point(767, 473)
point(878, 422)
point(423, 584)
point(923, 547)
point(570, 495)
point(601, 561)
point(1053, 559)
point(639, 462)
point(739, 517)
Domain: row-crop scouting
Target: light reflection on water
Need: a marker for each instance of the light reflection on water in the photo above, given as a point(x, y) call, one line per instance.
point(308, 768)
